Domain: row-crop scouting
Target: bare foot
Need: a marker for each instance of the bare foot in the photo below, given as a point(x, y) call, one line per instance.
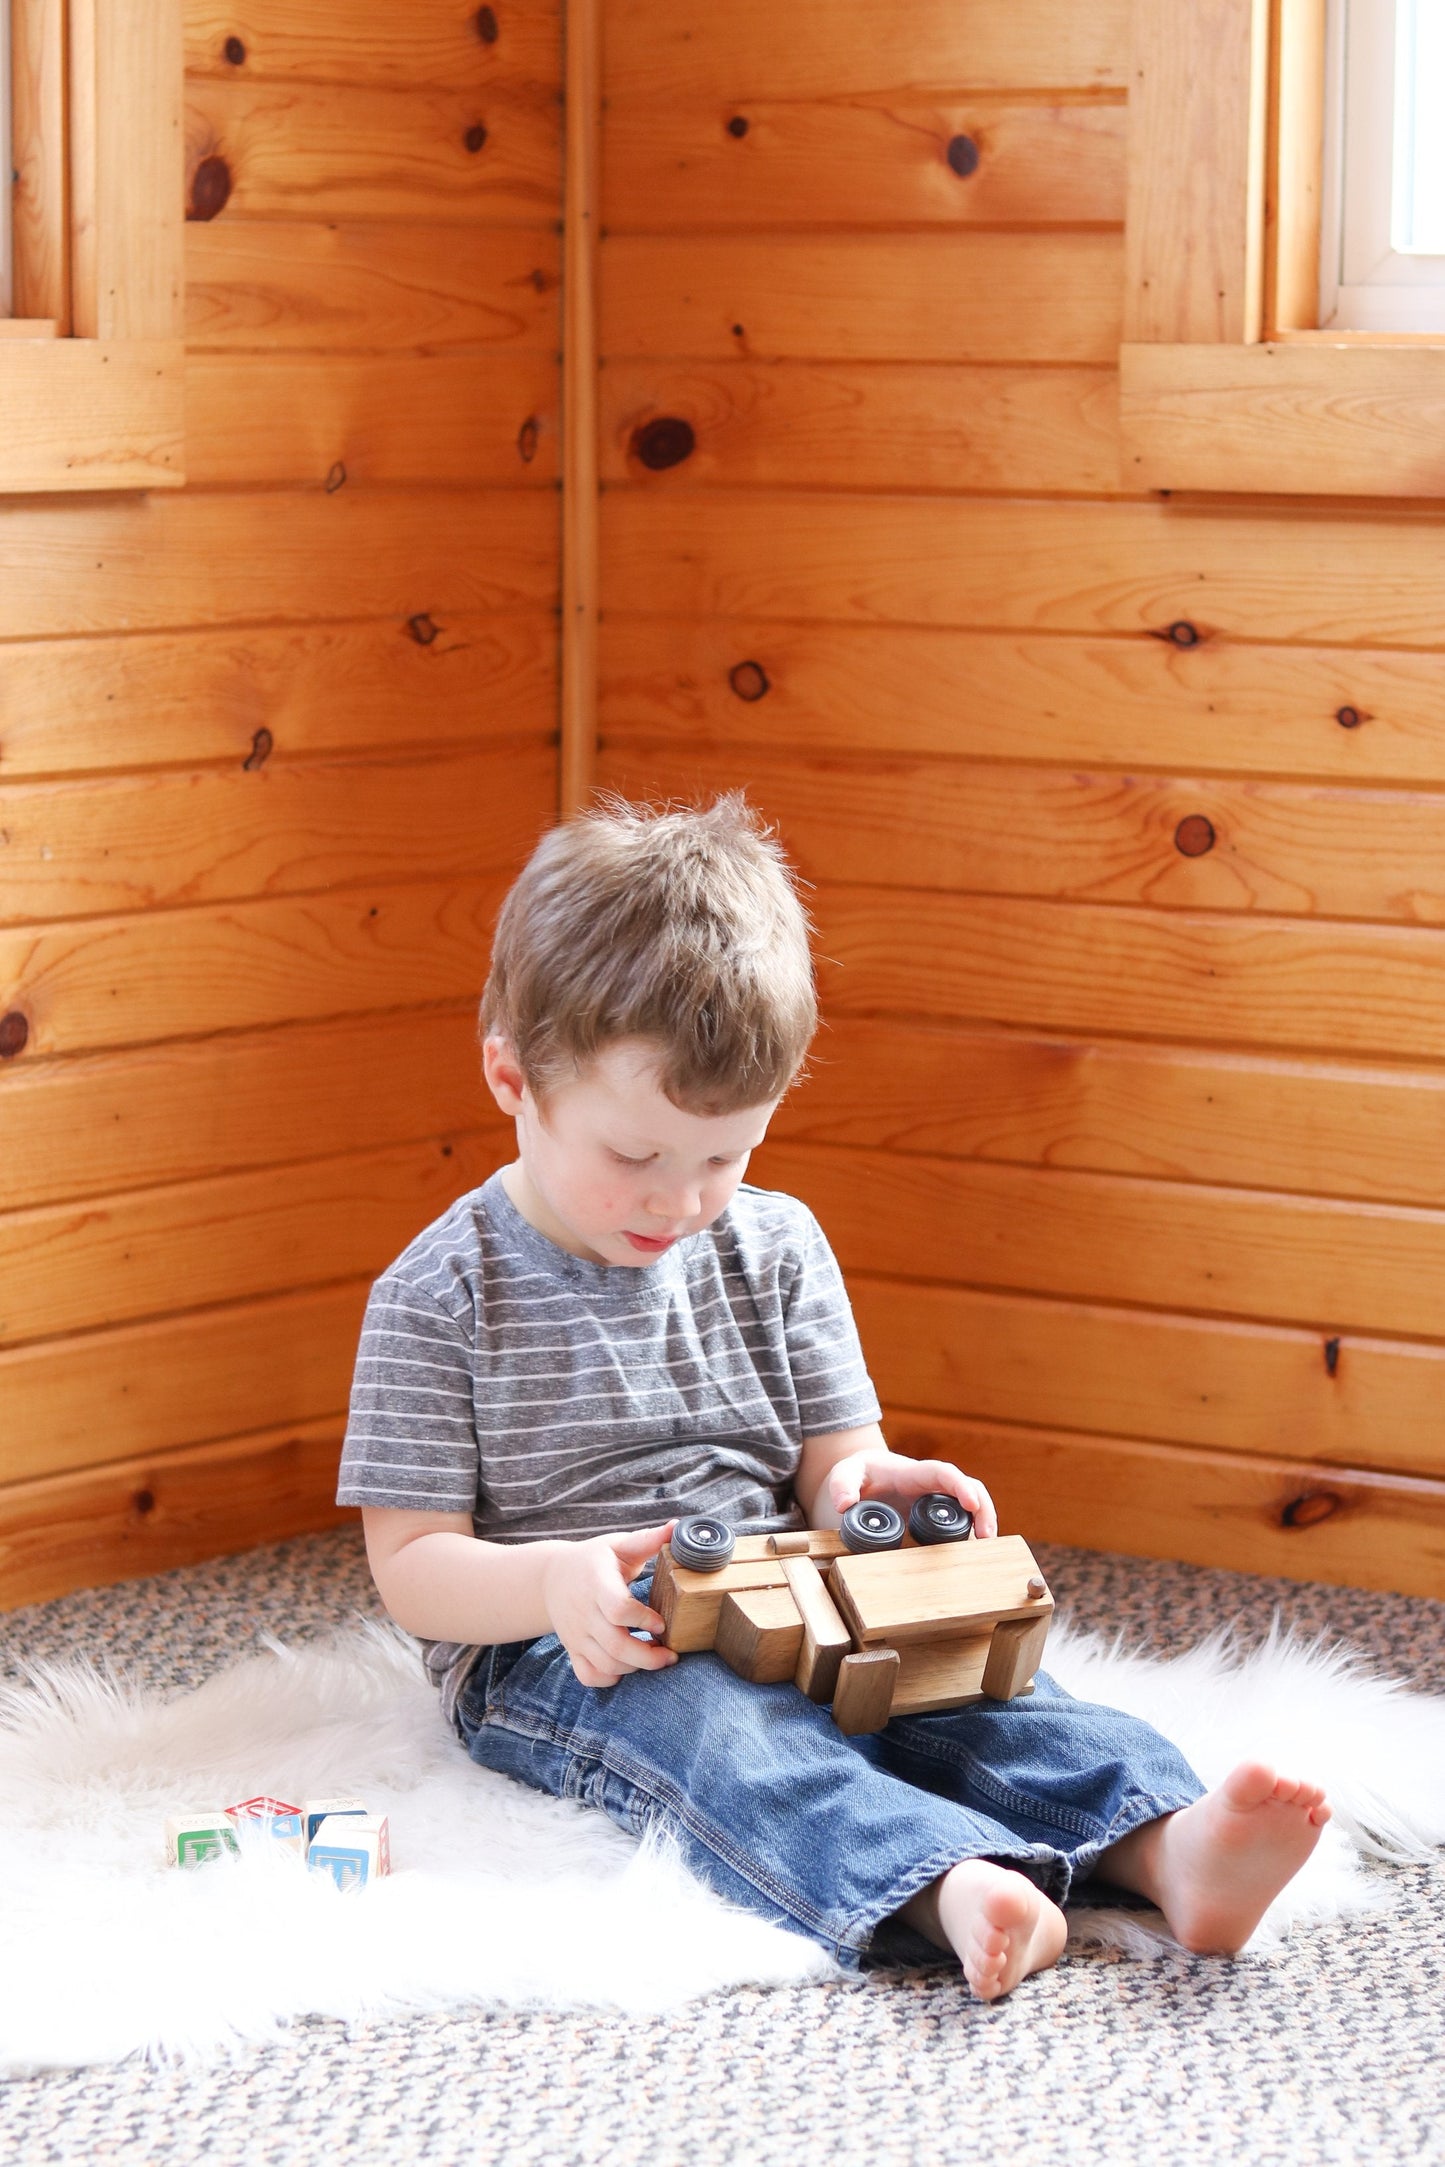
point(999, 1925)
point(1215, 1867)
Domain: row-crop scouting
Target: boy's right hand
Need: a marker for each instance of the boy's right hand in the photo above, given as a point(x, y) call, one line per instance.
point(593, 1610)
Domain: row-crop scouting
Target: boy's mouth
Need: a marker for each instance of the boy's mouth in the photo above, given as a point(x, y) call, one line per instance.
point(649, 1245)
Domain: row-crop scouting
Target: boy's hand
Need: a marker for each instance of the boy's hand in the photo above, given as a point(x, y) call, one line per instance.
point(899, 1480)
point(592, 1609)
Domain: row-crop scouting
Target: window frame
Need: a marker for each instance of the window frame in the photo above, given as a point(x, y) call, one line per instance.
point(92, 373)
point(1226, 384)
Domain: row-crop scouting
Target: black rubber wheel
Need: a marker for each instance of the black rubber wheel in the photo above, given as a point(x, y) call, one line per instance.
point(702, 1543)
point(872, 1525)
point(939, 1518)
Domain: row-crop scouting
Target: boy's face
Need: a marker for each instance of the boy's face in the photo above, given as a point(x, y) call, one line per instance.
point(611, 1170)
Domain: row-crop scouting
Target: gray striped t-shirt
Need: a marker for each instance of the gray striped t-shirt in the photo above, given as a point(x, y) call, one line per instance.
point(549, 1396)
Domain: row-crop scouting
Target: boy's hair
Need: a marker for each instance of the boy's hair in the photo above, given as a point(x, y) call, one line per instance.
point(683, 926)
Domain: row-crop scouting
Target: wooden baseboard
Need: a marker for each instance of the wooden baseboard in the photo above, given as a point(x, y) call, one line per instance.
point(95, 1525)
point(1301, 1520)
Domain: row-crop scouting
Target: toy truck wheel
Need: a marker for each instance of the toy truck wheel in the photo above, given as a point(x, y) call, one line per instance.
point(939, 1518)
point(701, 1543)
point(871, 1525)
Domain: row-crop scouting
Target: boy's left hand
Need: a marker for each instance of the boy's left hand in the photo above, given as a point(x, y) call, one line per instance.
point(899, 1480)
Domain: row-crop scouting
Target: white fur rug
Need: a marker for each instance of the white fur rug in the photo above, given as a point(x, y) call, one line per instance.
point(497, 1895)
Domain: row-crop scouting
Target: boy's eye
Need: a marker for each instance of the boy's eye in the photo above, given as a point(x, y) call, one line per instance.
point(621, 1159)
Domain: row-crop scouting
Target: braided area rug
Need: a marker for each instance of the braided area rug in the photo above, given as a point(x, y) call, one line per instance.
point(499, 1897)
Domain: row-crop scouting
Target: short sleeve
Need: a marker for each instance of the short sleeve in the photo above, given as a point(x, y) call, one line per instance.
point(411, 1435)
point(830, 1377)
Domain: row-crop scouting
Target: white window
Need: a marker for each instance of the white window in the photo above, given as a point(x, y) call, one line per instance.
point(1382, 257)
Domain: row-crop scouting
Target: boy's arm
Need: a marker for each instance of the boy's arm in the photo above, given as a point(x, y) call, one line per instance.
point(836, 1470)
point(441, 1582)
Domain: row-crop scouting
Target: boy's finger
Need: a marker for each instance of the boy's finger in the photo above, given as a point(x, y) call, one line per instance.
point(639, 1544)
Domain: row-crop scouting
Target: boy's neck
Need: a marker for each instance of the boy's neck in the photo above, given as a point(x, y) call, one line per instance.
point(531, 1207)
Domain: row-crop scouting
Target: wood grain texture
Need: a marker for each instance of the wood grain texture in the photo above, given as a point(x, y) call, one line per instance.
point(76, 1267)
point(39, 228)
point(154, 1513)
point(1324, 1128)
point(431, 42)
point(1196, 170)
point(1221, 706)
point(160, 563)
point(180, 1380)
point(1099, 1238)
point(1148, 1373)
point(100, 414)
point(341, 150)
point(129, 981)
point(357, 418)
point(1315, 420)
point(138, 256)
point(859, 163)
point(127, 702)
point(663, 49)
point(868, 425)
point(1306, 850)
point(1341, 1525)
point(183, 1112)
point(1116, 971)
point(1277, 573)
point(907, 297)
point(264, 284)
point(176, 838)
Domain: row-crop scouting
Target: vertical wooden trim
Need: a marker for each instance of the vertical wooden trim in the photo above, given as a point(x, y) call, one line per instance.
point(1296, 166)
point(139, 170)
point(579, 404)
point(41, 223)
point(83, 104)
point(1198, 90)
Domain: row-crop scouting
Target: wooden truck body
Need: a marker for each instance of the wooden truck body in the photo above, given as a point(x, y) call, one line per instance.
point(895, 1632)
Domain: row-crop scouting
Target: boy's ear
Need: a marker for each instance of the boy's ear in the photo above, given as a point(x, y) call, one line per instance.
point(503, 1072)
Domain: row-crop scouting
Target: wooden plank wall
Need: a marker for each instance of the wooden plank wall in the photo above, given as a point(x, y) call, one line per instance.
point(1126, 817)
point(269, 750)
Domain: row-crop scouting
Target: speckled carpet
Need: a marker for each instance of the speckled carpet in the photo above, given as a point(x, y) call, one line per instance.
point(1332, 2051)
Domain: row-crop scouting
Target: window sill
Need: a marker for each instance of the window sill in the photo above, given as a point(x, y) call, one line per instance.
point(98, 414)
point(1310, 414)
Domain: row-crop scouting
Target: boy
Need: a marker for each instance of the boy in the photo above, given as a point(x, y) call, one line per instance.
point(614, 1331)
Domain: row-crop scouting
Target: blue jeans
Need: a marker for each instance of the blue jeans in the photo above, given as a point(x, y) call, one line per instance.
point(774, 1808)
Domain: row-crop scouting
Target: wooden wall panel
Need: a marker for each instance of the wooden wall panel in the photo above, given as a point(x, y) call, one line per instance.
point(1122, 813)
point(270, 750)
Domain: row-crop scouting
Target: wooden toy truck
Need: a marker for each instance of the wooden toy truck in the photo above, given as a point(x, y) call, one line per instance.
point(887, 1632)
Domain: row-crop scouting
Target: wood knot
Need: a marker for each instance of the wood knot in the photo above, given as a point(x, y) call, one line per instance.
point(527, 437)
point(14, 1034)
point(1181, 633)
point(335, 477)
point(1332, 1357)
point(1194, 836)
point(234, 50)
point(1310, 1508)
point(737, 126)
point(749, 680)
point(144, 1501)
point(475, 137)
point(1349, 718)
point(210, 190)
point(422, 629)
point(486, 22)
point(737, 331)
point(663, 443)
point(261, 746)
point(963, 155)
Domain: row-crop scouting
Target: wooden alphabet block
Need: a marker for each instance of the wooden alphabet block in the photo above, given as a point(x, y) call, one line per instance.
point(195, 1834)
point(864, 1695)
point(826, 1639)
point(315, 1810)
point(355, 1849)
point(760, 1635)
point(278, 1819)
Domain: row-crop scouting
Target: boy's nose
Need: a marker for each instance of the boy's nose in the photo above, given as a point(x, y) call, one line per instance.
point(674, 1204)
